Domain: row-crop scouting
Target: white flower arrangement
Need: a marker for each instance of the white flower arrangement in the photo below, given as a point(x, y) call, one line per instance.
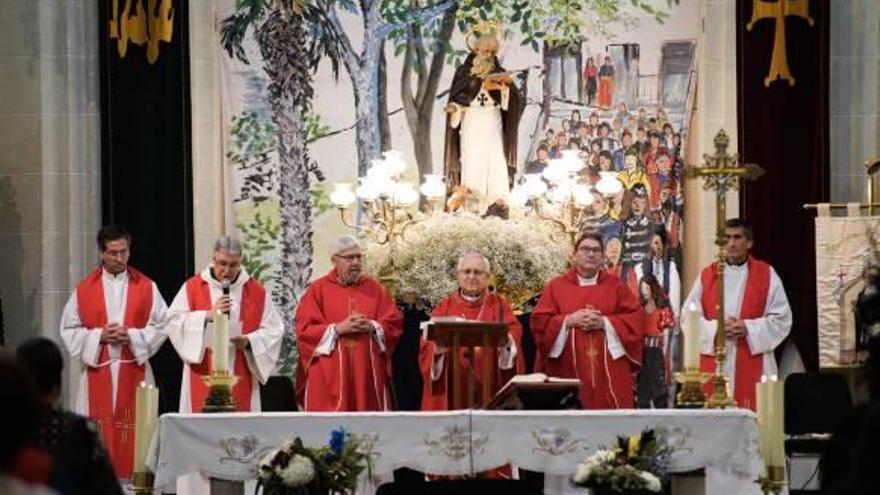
point(635, 463)
point(524, 254)
point(300, 471)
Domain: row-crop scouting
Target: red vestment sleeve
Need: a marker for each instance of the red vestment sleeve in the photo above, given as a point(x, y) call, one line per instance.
point(311, 324)
point(546, 320)
point(628, 320)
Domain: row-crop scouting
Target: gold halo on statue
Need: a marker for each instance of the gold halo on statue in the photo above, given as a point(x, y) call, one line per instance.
point(481, 29)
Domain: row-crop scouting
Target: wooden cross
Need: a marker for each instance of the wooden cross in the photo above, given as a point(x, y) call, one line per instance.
point(720, 172)
point(778, 11)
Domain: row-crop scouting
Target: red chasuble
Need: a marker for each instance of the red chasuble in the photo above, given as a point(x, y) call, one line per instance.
point(606, 383)
point(354, 377)
point(253, 299)
point(748, 367)
point(117, 425)
point(436, 393)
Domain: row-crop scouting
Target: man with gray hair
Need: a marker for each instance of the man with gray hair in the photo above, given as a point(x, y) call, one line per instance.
point(471, 301)
point(347, 326)
point(255, 328)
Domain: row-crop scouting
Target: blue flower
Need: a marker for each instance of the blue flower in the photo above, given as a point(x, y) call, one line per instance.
point(337, 440)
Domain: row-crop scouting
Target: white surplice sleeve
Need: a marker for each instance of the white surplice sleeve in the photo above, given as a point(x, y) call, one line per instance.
point(186, 329)
point(265, 343)
point(146, 341)
point(674, 289)
point(764, 334)
point(83, 344)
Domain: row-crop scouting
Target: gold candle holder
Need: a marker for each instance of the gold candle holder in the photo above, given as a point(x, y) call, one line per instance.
point(774, 481)
point(219, 398)
point(142, 483)
point(691, 395)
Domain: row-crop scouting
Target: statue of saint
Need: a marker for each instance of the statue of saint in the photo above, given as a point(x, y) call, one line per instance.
point(482, 117)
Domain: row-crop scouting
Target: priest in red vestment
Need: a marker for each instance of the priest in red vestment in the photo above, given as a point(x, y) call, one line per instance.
point(471, 301)
point(589, 325)
point(255, 329)
point(112, 325)
point(756, 311)
point(347, 326)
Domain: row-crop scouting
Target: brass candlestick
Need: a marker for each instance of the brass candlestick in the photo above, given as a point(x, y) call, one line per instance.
point(691, 395)
point(219, 398)
point(142, 482)
point(720, 172)
point(774, 481)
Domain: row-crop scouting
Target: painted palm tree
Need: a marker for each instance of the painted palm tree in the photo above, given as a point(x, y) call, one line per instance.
point(280, 32)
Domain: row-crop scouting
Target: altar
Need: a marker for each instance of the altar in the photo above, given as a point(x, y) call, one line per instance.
point(229, 446)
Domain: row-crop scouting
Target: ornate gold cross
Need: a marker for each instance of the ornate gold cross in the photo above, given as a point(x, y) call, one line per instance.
point(720, 172)
point(779, 10)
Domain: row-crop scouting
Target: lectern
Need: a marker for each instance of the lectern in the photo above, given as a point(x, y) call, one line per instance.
point(468, 334)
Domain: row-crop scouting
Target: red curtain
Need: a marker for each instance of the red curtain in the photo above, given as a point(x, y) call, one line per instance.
point(784, 129)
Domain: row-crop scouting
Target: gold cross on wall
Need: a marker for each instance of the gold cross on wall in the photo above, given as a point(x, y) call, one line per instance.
point(762, 9)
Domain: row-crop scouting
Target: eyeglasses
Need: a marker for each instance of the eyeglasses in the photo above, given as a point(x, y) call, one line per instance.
point(472, 271)
point(589, 250)
point(351, 257)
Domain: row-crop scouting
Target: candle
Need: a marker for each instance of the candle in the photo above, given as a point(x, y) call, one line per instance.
point(771, 420)
point(146, 412)
point(692, 338)
point(220, 343)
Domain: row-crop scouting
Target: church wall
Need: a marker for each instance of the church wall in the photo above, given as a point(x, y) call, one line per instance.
point(207, 153)
point(716, 109)
point(854, 95)
point(49, 159)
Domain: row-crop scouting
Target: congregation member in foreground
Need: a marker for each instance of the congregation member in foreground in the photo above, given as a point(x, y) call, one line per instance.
point(471, 301)
point(255, 328)
point(757, 314)
point(112, 325)
point(71, 439)
point(588, 325)
point(347, 326)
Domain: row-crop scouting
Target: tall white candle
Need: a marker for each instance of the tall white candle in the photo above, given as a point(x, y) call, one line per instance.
point(220, 343)
point(776, 447)
point(692, 338)
point(146, 414)
point(771, 420)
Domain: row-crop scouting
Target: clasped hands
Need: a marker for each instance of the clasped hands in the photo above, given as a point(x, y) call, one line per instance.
point(354, 324)
point(734, 328)
point(114, 333)
point(497, 82)
point(586, 319)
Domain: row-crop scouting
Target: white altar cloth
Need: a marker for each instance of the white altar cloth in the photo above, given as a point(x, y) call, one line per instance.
point(229, 446)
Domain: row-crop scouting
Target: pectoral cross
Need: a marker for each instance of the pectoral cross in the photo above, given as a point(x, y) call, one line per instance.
point(778, 11)
point(592, 353)
point(482, 99)
point(721, 172)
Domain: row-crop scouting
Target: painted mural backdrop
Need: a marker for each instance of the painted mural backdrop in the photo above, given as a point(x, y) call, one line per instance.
point(313, 90)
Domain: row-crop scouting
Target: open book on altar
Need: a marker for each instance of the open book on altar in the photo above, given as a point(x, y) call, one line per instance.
point(537, 391)
point(542, 378)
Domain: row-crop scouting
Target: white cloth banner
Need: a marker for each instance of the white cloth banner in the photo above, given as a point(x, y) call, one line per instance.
point(843, 246)
point(229, 446)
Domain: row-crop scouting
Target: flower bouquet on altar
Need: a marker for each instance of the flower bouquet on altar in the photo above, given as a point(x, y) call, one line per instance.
point(636, 465)
point(294, 469)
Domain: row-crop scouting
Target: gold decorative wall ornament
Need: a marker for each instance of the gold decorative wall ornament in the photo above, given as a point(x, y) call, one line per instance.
point(144, 27)
point(778, 11)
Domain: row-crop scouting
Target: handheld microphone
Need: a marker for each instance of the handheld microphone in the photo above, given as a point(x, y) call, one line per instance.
point(225, 286)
